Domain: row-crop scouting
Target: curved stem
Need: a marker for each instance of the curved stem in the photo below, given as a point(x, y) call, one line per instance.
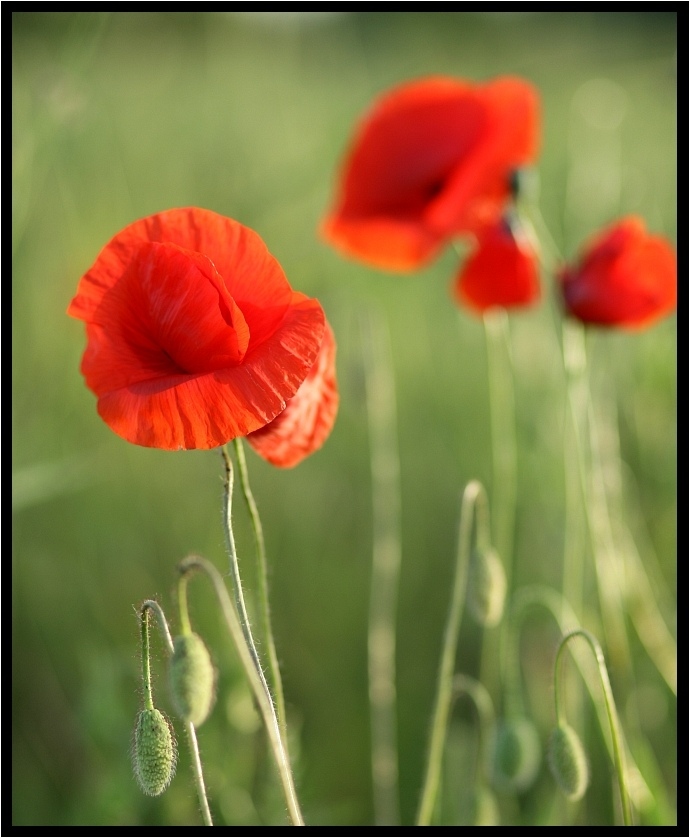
point(264, 610)
point(256, 680)
point(477, 692)
point(614, 724)
point(474, 504)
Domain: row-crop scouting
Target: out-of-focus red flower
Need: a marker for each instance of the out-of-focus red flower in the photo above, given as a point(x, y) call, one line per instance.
point(306, 422)
point(501, 272)
point(625, 277)
point(431, 159)
point(194, 335)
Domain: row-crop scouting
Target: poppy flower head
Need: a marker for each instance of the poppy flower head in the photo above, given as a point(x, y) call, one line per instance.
point(502, 271)
point(625, 277)
point(306, 422)
point(194, 335)
point(431, 159)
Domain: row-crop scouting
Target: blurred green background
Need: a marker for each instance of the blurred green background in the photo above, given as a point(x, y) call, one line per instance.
point(119, 115)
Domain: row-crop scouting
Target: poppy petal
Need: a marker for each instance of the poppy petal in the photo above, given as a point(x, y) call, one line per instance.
point(431, 159)
point(252, 276)
point(625, 277)
point(501, 272)
point(194, 335)
point(208, 410)
point(306, 422)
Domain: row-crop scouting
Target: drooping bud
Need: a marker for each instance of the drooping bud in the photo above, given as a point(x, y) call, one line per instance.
point(568, 761)
point(192, 679)
point(515, 756)
point(486, 587)
point(155, 752)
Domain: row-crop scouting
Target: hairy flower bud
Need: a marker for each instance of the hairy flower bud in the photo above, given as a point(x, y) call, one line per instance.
point(568, 762)
point(155, 752)
point(192, 679)
point(515, 756)
point(486, 587)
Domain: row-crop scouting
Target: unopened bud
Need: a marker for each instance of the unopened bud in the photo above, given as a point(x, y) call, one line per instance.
point(568, 762)
point(192, 679)
point(515, 756)
point(486, 587)
point(155, 754)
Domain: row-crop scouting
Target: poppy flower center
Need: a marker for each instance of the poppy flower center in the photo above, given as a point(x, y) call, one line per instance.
point(172, 305)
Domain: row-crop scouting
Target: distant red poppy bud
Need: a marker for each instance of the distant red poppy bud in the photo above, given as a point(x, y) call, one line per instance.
point(431, 159)
point(195, 336)
point(306, 422)
point(625, 277)
point(501, 272)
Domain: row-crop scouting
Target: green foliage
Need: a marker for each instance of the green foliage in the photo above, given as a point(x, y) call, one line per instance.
point(118, 115)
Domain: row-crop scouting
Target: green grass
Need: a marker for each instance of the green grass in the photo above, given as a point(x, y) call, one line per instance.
point(119, 115)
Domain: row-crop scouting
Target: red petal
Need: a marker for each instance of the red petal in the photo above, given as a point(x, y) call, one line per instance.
point(625, 278)
point(430, 159)
point(253, 278)
point(207, 410)
point(306, 422)
point(502, 272)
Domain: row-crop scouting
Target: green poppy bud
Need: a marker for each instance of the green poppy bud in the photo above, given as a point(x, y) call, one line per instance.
point(192, 679)
point(155, 753)
point(486, 587)
point(515, 755)
point(568, 762)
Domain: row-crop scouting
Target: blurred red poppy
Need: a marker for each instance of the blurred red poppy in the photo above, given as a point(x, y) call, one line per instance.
point(194, 335)
point(625, 277)
point(501, 272)
point(431, 159)
point(306, 422)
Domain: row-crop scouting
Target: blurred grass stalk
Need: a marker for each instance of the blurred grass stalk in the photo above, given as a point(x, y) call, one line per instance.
point(385, 571)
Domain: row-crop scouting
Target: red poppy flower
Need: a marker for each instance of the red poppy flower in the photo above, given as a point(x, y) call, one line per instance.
point(625, 277)
point(194, 335)
point(502, 271)
point(431, 159)
point(306, 422)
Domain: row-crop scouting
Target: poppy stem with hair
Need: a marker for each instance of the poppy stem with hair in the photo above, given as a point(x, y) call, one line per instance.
point(612, 715)
point(237, 591)
point(257, 682)
point(474, 516)
point(264, 610)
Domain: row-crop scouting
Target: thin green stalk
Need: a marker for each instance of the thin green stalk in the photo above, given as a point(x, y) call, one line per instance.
point(264, 610)
point(232, 555)
point(146, 658)
point(198, 773)
point(474, 505)
point(614, 724)
point(606, 564)
point(503, 444)
point(257, 682)
point(385, 571)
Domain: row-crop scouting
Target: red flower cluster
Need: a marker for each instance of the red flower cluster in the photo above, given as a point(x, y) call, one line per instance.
point(195, 337)
point(431, 160)
point(625, 277)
